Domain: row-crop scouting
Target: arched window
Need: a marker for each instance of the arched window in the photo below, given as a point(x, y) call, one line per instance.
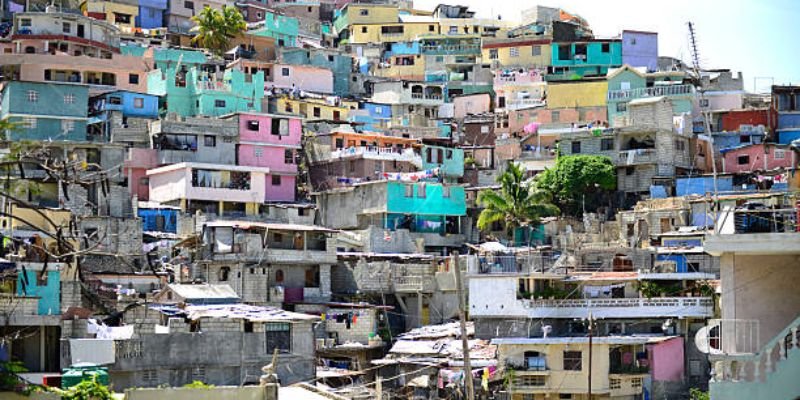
point(279, 276)
point(30, 50)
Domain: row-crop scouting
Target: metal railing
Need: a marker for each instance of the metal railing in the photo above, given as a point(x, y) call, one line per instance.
point(519, 264)
point(623, 302)
point(637, 156)
point(655, 91)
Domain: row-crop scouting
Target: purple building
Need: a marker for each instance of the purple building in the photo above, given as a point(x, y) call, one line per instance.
point(640, 49)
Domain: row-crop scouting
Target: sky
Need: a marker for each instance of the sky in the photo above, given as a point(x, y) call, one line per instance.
point(757, 37)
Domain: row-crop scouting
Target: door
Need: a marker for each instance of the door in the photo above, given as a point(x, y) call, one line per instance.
point(81, 32)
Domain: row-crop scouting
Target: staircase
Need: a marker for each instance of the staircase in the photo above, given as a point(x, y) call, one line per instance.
point(772, 373)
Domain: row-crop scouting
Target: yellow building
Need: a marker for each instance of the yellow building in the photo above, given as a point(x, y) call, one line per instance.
point(517, 52)
point(545, 368)
point(313, 108)
point(391, 33)
point(574, 94)
point(405, 67)
point(365, 14)
point(119, 14)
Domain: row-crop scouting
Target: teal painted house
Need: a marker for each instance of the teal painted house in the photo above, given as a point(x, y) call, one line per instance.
point(48, 290)
point(576, 60)
point(165, 58)
point(189, 91)
point(45, 111)
point(339, 63)
point(628, 83)
point(282, 28)
point(449, 160)
point(424, 207)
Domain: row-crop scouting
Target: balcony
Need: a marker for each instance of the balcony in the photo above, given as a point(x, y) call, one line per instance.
point(451, 49)
point(625, 384)
point(679, 307)
point(379, 153)
point(637, 156)
point(410, 284)
point(524, 103)
point(655, 91)
point(420, 96)
point(511, 265)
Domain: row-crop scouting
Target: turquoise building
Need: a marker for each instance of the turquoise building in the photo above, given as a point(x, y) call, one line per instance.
point(449, 160)
point(627, 83)
point(341, 64)
point(575, 60)
point(48, 290)
point(424, 207)
point(45, 111)
point(282, 28)
point(189, 91)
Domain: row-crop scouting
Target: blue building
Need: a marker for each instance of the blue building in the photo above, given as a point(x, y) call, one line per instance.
point(151, 14)
point(786, 101)
point(131, 104)
point(640, 49)
point(45, 111)
point(110, 114)
point(159, 219)
point(571, 60)
point(375, 119)
point(341, 64)
point(47, 288)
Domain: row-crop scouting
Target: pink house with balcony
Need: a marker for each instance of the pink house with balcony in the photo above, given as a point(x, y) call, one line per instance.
point(758, 157)
point(135, 168)
point(273, 142)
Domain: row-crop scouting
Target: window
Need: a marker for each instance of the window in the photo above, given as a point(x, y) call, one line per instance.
point(364, 29)
point(252, 125)
point(680, 145)
point(535, 361)
point(446, 192)
point(138, 102)
point(188, 5)
point(409, 191)
point(258, 15)
point(280, 127)
point(743, 160)
point(66, 27)
point(421, 191)
point(219, 103)
point(258, 152)
point(25, 22)
point(285, 71)
point(317, 112)
point(449, 154)
point(67, 125)
point(493, 55)
point(150, 375)
point(606, 144)
point(536, 50)
point(144, 181)
point(29, 122)
point(605, 47)
point(115, 100)
point(576, 147)
point(278, 337)
point(780, 154)
point(484, 128)
point(431, 28)
point(288, 107)
point(555, 116)
point(703, 102)
point(622, 107)
point(276, 180)
point(513, 52)
point(133, 79)
point(210, 141)
point(227, 139)
point(224, 273)
point(330, 58)
point(363, 12)
point(288, 156)
point(279, 276)
point(69, 98)
point(453, 30)
point(33, 96)
point(572, 360)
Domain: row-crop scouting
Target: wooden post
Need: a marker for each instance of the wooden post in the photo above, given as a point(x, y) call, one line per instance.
point(464, 339)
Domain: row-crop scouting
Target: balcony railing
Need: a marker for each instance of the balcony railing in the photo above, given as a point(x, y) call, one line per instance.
point(451, 49)
point(622, 307)
point(522, 264)
point(655, 91)
point(525, 103)
point(638, 156)
point(378, 153)
point(409, 283)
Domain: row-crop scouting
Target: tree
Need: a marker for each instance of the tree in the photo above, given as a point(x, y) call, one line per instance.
point(517, 203)
point(215, 28)
point(7, 126)
point(578, 182)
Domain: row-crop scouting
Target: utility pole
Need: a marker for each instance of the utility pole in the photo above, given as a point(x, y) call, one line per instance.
point(464, 339)
point(591, 331)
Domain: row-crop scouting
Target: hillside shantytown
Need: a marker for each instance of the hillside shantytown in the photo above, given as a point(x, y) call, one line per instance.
point(333, 199)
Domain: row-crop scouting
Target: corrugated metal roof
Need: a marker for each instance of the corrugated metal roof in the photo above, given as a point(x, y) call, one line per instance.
point(582, 340)
point(274, 226)
point(204, 291)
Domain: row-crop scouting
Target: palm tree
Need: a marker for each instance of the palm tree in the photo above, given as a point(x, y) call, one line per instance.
point(517, 203)
point(216, 28)
point(7, 126)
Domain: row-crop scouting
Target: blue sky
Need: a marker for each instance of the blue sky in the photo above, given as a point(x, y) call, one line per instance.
point(758, 38)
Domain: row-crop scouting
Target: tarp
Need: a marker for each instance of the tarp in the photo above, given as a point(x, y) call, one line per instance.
point(94, 351)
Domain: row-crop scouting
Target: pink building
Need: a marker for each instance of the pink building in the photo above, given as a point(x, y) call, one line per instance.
point(282, 76)
point(758, 157)
point(516, 120)
point(667, 360)
point(471, 104)
point(271, 141)
point(135, 167)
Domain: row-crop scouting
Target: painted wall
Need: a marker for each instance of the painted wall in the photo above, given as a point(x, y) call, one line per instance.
point(339, 63)
point(308, 78)
point(434, 203)
point(667, 360)
point(640, 49)
point(96, 33)
point(577, 94)
point(282, 28)
point(594, 54)
point(107, 11)
point(472, 104)
point(60, 110)
point(128, 106)
point(732, 120)
point(285, 191)
point(700, 185)
point(403, 48)
point(450, 160)
point(49, 291)
point(525, 53)
point(151, 14)
point(761, 157)
point(150, 216)
point(234, 93)
point(363, 13)
point(305, 109)
point(176, 184)
point(372, 33)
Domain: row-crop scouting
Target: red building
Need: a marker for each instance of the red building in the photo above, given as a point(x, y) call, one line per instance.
point(732, 120)
point(758, 157)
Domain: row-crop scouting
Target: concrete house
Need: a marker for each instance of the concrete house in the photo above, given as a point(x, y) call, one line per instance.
point(629, 83)
point(640, 49)
point(122, 14)
point(340, 63)
point(77, 34)
point(122, 117)
point(282, 28)
point(63, 118)
point(151, 14)
point(786, 104)
point(759, 157)
point(187, 139)
point(583, 59)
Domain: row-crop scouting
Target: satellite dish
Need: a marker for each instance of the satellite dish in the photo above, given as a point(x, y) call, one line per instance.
point(546, 330)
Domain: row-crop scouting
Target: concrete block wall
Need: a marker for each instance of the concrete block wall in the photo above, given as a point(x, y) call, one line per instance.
point(366, 324)
point(639, 181)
